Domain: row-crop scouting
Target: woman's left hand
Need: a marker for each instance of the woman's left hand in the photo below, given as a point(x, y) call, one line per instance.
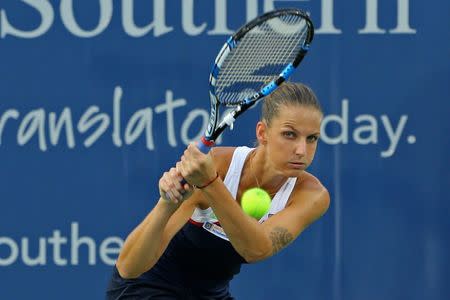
point(196, 167)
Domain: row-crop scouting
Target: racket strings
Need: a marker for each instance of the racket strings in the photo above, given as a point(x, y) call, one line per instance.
point(289, 45)
point(259, 57)
point(247, 74)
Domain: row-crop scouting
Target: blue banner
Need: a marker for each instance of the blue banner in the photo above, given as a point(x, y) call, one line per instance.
point(99, 98)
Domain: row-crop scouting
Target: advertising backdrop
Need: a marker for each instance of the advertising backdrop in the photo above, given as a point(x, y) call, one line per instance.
point(99, 98)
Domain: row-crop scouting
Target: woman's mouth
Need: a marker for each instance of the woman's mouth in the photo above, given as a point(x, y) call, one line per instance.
point(297, 165)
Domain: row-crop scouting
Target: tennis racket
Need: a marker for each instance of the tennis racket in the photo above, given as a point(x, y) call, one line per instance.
point(253, 63)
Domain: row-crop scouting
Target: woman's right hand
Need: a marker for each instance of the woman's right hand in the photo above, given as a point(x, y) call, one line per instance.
point(171, 189)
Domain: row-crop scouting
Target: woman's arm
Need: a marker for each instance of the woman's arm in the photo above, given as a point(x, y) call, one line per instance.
point(146, 243)
point(255, 241)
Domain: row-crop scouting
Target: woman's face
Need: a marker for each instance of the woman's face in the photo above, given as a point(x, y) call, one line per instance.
point(291, 139)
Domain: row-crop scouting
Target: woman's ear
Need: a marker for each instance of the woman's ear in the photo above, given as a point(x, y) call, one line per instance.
point(261, 132)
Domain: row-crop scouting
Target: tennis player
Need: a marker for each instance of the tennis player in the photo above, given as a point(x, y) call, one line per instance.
point(197, 236)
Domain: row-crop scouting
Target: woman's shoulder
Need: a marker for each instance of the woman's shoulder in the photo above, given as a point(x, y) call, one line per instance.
point(310, 186)
point(222, 157)
point(308, 181)
point(223, 151)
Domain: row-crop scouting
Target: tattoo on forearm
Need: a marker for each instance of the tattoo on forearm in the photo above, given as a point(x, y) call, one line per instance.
point(280, 238)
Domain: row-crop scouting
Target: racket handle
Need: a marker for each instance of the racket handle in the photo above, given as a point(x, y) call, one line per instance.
point(204, 146)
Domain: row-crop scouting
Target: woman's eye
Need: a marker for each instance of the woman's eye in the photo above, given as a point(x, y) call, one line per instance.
point(313, 138)
point(289, 134)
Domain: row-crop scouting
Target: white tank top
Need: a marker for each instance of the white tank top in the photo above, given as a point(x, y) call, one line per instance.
point(232, 180)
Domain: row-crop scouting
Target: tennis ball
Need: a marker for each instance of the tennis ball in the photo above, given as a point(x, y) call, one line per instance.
point(255, 202)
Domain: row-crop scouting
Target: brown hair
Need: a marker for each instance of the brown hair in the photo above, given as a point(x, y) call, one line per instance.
point(289, 93)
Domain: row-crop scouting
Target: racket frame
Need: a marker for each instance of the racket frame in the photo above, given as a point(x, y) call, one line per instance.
point(215, 128)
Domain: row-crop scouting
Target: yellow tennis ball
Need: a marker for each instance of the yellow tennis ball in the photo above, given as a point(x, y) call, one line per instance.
point(255, 202)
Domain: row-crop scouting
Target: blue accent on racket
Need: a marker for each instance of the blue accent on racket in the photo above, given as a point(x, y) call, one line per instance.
point(215, 71)
point(287, 72)
point(269, 88)
point(231, 42)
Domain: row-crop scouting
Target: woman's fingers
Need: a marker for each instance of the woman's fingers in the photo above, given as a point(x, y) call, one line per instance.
point(170, 186)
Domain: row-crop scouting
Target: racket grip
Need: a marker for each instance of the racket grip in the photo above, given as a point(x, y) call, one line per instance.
point(204, 146)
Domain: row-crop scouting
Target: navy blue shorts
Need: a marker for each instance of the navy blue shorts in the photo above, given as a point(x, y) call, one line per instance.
point(151, 286)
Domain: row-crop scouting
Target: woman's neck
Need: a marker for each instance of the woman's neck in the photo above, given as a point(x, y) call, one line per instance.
point(264, 174)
